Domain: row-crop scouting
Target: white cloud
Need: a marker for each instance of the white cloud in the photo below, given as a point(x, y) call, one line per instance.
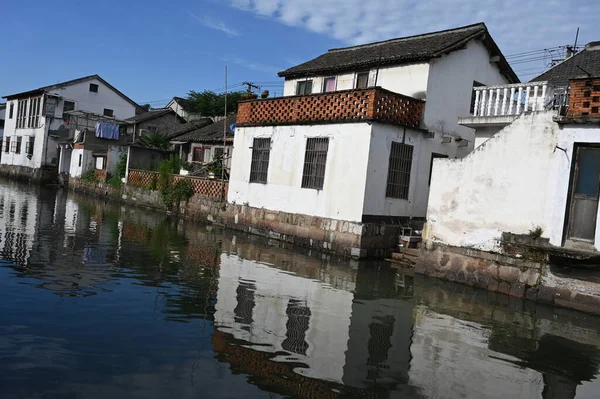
point(517, 25)
point(216, 25)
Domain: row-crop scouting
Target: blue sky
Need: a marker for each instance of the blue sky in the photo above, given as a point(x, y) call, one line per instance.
point(154, 50)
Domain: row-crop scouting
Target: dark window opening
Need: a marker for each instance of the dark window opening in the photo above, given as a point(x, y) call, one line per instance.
point(198, 155)
point(362, 80)
point(596, 99)
point(587, 93)
point(80, 159)
point(29, 146)
point(68, 106)
point(400, 165)
point(18, 145)
point(1, 123)
point(315, 159)
point(10, 110)
point(259, 167)
point(7, 144)
point(108, 112)
point(93, 87)
point(304, 87)
point(218, 152)
point(434, 155)
point(586, 104)
point(473, 96)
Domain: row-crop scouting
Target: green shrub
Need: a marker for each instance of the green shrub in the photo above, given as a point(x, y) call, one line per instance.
point(90, 177)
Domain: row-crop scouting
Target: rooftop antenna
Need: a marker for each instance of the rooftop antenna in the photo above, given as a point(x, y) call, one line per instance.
point(576, 38)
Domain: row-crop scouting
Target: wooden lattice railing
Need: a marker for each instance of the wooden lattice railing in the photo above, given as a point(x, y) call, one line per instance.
point(375, 104)
point(207, 187)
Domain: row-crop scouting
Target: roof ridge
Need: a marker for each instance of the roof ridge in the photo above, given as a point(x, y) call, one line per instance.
point(557, 65)
point(482, 24)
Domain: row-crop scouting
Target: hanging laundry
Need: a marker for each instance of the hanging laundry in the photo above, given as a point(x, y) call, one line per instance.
point(107, 130)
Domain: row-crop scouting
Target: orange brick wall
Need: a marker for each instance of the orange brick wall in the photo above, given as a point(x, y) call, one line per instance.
point(342, 106)
point(207, 187)
point(584, 98)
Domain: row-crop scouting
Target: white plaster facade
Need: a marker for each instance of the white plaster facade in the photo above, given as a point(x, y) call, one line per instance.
point(358, 157)
point(517, 180)
point(45, 150)
point(446, 83)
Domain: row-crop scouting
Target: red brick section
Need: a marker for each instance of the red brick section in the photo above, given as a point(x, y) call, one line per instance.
point(584, 98)
point(374, 104)
point(206, 187)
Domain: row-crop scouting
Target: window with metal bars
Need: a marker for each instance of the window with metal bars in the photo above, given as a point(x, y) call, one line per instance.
point(315, 159)
point(29, 145)
point(398, 181)
point(259, 168)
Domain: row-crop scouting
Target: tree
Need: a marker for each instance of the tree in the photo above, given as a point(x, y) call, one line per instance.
point(146, 107)
point(156, 140)
point(208, 103)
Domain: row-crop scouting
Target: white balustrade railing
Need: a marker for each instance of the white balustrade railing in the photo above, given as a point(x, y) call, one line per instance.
point(512, 99)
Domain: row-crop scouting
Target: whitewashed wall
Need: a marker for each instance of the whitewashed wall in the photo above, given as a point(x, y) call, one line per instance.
point(505, 185)
point(345, 173)
point(376, 203)
point(410, 80)
point(450, 86)
point(87, 162)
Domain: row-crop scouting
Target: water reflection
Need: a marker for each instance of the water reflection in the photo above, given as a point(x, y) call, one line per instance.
point(100, 300)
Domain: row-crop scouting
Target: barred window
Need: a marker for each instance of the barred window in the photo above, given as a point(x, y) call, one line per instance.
point(259, 168)
point(315, 159)
point(68, 106)
point(398, 181)
point(18, 145)
point(21, 114)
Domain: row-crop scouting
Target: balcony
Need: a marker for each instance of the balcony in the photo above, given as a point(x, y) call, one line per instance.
point(360, 105)
point(500, 105)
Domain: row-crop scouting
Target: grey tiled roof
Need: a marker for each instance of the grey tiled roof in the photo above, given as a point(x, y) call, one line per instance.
point(397, 51)
point(155, 113)
point(588, 59)
point(209, 133)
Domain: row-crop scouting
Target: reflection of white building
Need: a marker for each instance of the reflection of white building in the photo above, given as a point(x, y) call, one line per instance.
point(19, 214)
point(278, 311)
point(451, 359)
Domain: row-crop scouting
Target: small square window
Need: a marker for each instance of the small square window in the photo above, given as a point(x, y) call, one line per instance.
point(596, 99)
point(108, 112)
point(362, 80)
point(329, 84)
point(68, 106)
point(93, 87)
point(586, 104)
point(594, 110)
point(304, 87)
point(587, 93)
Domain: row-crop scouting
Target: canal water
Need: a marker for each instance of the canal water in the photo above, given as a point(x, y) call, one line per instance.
point(103, 301)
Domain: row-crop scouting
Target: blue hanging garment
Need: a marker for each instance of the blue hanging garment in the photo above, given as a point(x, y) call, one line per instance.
point(107, 130)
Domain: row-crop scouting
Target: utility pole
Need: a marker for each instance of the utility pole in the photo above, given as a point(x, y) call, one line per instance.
point(224, 141)
point(250, 86)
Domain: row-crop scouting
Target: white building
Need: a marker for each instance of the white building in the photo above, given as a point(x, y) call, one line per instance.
point(176, 104)
point(355, 134)
point(537, 166)
point(38, 119)
point(2, 118)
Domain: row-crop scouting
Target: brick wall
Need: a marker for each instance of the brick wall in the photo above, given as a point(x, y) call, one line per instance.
point(341, 106)
point(584, 98)
point(211, 188)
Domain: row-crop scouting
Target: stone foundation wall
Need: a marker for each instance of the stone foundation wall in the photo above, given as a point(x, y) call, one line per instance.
point(529, 276)
point(27, 174)
point(351, 239)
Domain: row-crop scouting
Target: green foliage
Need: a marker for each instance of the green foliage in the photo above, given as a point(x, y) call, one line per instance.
point(90, 176)
point(155, 140)
point(536, 232)
point(173, 192)
point(147, 107)
point(121, 167)
point(115, 181)
point(209, 103)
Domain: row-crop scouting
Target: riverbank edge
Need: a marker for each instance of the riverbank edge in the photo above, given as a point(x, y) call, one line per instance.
point(530, 276)
point(343, 238)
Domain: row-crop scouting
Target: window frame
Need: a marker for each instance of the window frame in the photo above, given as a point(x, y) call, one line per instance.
point(325, 79)
point(399, 170)
point(65, 106)
point(94, 87)
point(200, 150)
point(29, 145)
point(358, 75)
point(11, 110)
point(7, 144)
point(215, 156)
point(111, 114)
point(315, 163)
point(261, 154)
point(304, 83)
